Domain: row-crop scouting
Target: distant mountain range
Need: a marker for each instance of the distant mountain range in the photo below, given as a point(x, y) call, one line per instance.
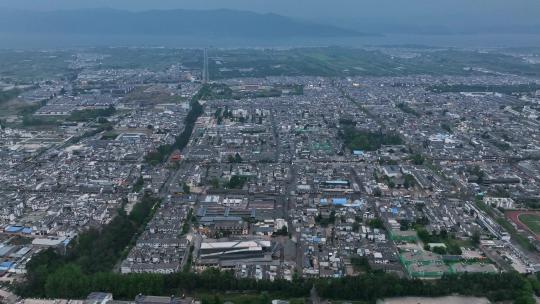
point(208, 23)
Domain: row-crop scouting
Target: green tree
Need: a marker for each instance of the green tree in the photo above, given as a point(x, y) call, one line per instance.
point(139, 183)
point(376, 223)
point(186, 189)
point(264, 298)
point(67, 282)
point(360, 263)
point(283, 231)
point(418, 159)
point(439, 250)
point(215, 183)
point(408, 181)
point(476, 237)
point(404, 225)
point(237, 182)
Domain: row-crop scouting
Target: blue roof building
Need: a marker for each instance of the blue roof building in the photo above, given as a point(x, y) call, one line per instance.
point(6, 265)
point(339, 201)
point(14, 229)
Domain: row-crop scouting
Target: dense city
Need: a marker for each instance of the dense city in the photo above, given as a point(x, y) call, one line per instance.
point(141, 173)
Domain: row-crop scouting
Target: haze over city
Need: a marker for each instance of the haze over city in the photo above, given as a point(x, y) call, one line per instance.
point(381, 16)
point(269, 151)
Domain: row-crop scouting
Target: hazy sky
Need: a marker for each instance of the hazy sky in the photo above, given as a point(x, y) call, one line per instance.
point(344, 12)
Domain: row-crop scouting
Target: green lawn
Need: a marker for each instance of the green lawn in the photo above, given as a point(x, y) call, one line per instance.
point(532, 221)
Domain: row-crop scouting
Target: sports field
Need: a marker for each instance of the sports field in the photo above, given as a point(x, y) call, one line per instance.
point(526, 220)
point(532, 221)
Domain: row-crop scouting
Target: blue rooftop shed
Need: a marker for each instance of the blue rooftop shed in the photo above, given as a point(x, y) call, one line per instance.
point(6, 265)
point(14, 229)
point(339, 201)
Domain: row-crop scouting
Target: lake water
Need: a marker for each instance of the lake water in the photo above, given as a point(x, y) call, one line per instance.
point(34, 41)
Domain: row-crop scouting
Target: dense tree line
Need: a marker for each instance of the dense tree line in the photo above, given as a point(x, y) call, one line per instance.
point(504, 89)
point(159, 155)
point(376, 223)
point(452, 246)
point(52, 273)
point(368, 141)
point(91, 114)
point(236, 159)
point(181, 140)
point(360, 263)
point(214, 91)
point(237, 182)
point(29, 119)
point(101, 128)
point(70, 281)
point(372, 286)
point(32, 121)
point(530, 202)
point(325, 221)
point(447, 127)
point(77, 116)
point(9, 94)
point(407, 109)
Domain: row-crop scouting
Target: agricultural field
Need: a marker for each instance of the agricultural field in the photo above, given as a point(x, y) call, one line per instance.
point(26, 67)
point(340, 61)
